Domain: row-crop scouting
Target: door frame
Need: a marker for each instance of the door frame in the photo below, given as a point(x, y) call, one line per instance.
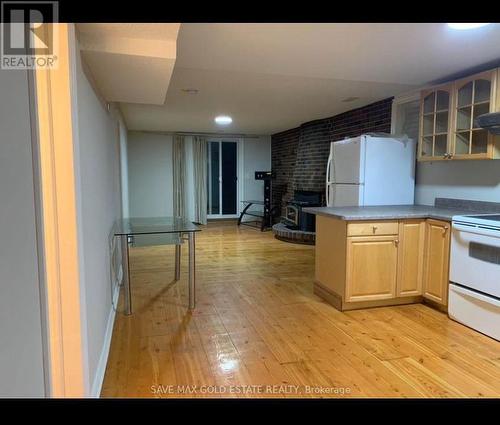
point(239, 180)
point(56, 135)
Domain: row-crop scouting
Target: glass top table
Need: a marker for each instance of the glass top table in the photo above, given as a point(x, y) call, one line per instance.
point(152, 225)
point(127, 228)
point(253, 213)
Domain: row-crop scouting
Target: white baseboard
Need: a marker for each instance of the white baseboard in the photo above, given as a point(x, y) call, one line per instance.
point(103, 358)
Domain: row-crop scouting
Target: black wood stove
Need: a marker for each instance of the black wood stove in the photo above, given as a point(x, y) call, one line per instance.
point(297, 219)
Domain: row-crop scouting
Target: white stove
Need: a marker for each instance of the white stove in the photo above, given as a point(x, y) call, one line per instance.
point(474, 291)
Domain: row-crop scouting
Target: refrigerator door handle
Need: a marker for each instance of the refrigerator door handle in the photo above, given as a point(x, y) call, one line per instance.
point(328, 167)
point(328, 182)
point(329, 202)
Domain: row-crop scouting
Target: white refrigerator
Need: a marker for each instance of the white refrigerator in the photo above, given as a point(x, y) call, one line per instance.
point(371, 170)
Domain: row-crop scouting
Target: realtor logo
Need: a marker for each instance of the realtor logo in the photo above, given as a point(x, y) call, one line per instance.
point(28, 38)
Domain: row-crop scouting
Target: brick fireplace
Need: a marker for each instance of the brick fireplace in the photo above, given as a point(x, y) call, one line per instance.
point(299, 155)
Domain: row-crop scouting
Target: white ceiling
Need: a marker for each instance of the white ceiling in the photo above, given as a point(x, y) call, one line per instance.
point(271, 77)
point(130, 62)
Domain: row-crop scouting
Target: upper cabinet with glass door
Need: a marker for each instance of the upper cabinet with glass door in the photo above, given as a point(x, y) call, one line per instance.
point(434, 132)
point(448, 128)
point(474, 96)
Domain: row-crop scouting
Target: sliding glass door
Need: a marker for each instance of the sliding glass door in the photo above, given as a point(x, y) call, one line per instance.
point(222, 179)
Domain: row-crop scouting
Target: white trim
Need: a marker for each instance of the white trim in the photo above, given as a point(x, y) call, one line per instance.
point(95, 392)
point(57, 133)
point(74, 51)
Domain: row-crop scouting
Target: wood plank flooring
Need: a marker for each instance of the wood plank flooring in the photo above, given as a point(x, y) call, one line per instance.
point(259, 331)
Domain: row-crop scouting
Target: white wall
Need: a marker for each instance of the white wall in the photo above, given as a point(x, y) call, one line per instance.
point(97, 163)
point(150, 172)
point(189, 183)
point(21, 350)
point(475, 179)
point(257, 157)
point(124, 166)
point(471, 179)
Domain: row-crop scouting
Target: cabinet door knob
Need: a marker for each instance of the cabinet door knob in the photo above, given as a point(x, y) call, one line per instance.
point(396, 242)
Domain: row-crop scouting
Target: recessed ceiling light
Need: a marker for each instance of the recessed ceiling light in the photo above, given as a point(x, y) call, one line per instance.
point(223, 120)
point(190, 91)
point(467, 25)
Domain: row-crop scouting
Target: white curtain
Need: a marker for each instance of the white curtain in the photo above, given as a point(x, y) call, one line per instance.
point(200, 179)
point(179, 166)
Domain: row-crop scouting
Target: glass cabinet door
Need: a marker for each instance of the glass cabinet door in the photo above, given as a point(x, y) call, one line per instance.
point(473, 98)
point(435, 110)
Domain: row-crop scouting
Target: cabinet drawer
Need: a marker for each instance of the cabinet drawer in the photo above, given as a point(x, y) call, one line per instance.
point(370, 228)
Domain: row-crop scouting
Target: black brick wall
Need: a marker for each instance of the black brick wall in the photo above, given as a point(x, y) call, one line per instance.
point(283, 156)
point(299, 155)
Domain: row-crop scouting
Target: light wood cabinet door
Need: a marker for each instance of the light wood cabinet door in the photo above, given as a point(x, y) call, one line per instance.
point(371, 268)
point(435, 113)
point(448, 113)
point(437, 261)
point(410, 258)
point(473, 96)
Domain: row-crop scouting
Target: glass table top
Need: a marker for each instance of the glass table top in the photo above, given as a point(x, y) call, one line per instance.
point(152, 225)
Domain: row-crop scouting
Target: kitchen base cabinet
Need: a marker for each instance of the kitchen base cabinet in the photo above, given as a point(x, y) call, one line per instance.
point(330, 257)
point(380, 263)
point(371, 268)
point(411, 257)
point(339, 303)
point(437, 261)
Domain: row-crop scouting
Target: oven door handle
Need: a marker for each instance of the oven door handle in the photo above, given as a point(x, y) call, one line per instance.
point(476, 230)
point(469, 293)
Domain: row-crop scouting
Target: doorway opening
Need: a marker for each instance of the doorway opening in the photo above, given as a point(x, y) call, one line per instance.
point(222, 179)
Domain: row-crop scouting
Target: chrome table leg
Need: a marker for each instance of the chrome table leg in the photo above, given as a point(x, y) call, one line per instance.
point(126, 275)
point(177, 262)
point(192, 271)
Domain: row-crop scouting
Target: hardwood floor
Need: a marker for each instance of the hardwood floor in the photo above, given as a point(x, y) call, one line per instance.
point(259, 331)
